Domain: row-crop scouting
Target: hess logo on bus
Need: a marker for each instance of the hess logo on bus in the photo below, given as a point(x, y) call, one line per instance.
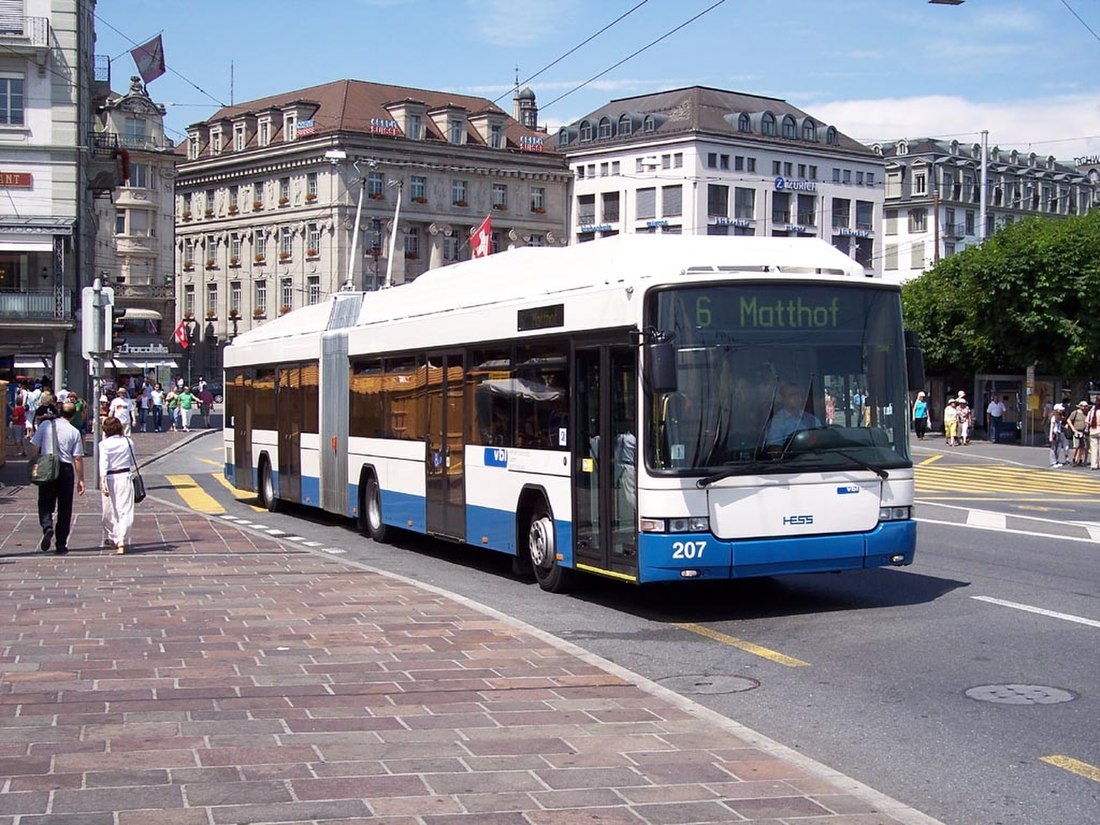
point(807, 519)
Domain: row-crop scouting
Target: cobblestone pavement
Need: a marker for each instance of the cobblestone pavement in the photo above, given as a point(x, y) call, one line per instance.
point(215, 675)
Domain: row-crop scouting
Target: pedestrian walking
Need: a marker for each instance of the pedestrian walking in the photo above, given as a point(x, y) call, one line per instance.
point(950, 422)
point(116, 464)
point(964, 421)
point(187, 403)
point(19, 426)
point(156, 404)
point(1092, 423)
point(122, 408)
point(206, 404)
point(995, 410)
point(1078, 434)
point(922, 422)
point(172, 402)
point(58, 494)
point(1056, 437)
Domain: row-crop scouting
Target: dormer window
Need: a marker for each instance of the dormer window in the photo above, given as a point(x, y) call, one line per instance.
point(192, 146)
point(744, 123)
point(215, 140)
point(290, 127)
point(586, 131)
point(455, 130)
point(789, 127)
point(238, 137)
point(626, 127)
point(496, 136)
point(809, 130)
point(831, 136)
point(415, 130)
point(649, 124)
point(605, 128)
point(767, 124)
point(265, 132)
point(563, 136)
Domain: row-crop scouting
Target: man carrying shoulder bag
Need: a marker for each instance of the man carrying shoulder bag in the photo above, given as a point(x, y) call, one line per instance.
point(57, 436)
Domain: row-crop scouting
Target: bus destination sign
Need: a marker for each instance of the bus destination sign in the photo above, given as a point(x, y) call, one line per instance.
point(541, 318)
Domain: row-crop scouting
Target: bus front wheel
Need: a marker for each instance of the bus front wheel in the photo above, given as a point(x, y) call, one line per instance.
point(371, 510)
point(267, 488)
point(542, 549)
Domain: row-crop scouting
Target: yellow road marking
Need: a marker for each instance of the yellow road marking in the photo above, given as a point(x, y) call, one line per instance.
point(741, 644)
point(621, 576)
point(210, 461)
point(1068, 763)
point(242, 497)
point(930, 460)
point(193, 495)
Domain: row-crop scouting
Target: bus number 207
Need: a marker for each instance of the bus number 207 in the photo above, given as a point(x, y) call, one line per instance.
point(688, 549)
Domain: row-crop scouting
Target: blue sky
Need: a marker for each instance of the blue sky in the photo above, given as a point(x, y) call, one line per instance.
point(1028, 71)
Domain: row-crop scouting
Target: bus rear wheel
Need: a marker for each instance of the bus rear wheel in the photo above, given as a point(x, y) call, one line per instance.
point(267, 488)
point(371, 512)
point(542, 549)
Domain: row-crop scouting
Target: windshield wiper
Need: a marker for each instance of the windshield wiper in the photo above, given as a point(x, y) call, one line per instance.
point(881, 473)
point(737, 470)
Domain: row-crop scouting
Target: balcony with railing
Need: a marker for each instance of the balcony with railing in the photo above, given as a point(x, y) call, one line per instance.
point(22, 34)
point(105, 171)
point(36, 305)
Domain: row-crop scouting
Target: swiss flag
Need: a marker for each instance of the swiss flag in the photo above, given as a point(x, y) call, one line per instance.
point(181, 335)
point(481, 242)
point(149, 58)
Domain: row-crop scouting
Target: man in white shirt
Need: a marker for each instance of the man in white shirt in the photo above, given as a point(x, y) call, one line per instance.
point(122, 408)
point(59, 492)
point(996, 413)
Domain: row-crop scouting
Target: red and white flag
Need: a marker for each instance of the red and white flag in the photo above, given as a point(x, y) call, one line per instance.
point(181, 335)
point(481, 242)
point(149, 58)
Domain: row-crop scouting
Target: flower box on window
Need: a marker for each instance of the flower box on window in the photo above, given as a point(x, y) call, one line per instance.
point(257, 206)
point(411, 256)
point(259, 312)
point(234, 313)
point(284, 309)
point(188, 267)
point(284, 201)
point(211, 315)
point(210, 263)
point(209, 213)
point(187, 215)
point(233, 210)
point(377, 196)
point(310, 198)
point(538, 210)
point(312, 253)
point(459, 203)
point(284, 256)
point(500, 206)
point(258, 258)
point(188, 316)
point(234, 261)
point(420, 200)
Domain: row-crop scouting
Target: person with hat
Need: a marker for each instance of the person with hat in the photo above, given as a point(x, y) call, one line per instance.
point(922, 421)
point(122, 408)
point(1056, 436)
point(951, 422)
point(1077, 421)
point(964, 420)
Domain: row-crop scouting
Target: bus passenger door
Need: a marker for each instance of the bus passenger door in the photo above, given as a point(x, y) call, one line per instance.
point(605, 469)
point(289, 423)
point(238, 412)
point(446, 505)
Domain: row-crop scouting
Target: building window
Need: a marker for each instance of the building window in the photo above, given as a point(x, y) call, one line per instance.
point(646, 204)
point(290, 128)
point(536, 240)
point(842, 212)
point(188, 300)
point(133, 131)
point(120, 221)
point(313, 239)
point(538, 198)
point(234, 248)
point(212, 298)
point(259, 245)
point(238, 137)
point(916, 255)
point(416, 127)
point(744, 123)
point(788, 169)
point(265, 132)
point(615, 164)
point(789, 129)
point(450, 249)
point(767, 124)
point(969, 222)
point(188, 252)
point(777, 167)
point(216, 143)
point(813, 172)
point(455, 131)
point(831, 136)
point(739, 163)
point(859, 178)
point(649, 124)
point(258, 195)
point(500, 196)
point(750, 164)
point(211, 250)
point(865, 215)
point(603, 170)
point(284, 191)
point(261, 298)
point(802, 171)
point(286, 294)
point(890, 259)
point(412, 244)
point(235, 297)
point(920, 183)
point(744, 203)
point(918, 221)
point(718, 198)
point(209, 203)
point(586, 131)
point(672, 200)
point(610, 206)
point(286, 242)
point(809, 130)
point(376, 185)
point(458, 192)
point(192, 147)
point(311, 186)
point(847, 176)
point(496, 136)
point(890, 221)
point(626, 126)
point(604, 128)
point(313, 289)
point(418, 188)
point(234, 199)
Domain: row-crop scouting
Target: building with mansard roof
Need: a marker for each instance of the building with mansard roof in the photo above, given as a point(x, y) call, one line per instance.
point(283, 200)
point(699, 160)
point(933, 204)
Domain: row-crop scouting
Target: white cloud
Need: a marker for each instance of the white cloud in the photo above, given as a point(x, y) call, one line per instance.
point(1065, 126)
point(505, 23)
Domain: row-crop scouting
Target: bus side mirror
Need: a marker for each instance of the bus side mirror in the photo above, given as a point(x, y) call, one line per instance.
point(914, 360)
point(660, 365)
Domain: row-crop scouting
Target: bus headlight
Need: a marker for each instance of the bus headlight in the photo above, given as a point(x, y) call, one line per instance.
point(895, 513)
point(691, 524)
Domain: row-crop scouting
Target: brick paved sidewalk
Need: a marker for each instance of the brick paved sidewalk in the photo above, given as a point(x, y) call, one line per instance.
point(216, 675)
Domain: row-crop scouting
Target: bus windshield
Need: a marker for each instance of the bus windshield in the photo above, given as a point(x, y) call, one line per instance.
point(779, 378)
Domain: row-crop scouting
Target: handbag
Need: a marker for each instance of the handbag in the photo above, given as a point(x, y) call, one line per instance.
point(46, 467)
point(136, 480)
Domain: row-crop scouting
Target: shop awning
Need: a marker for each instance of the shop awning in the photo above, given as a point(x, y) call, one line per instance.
point(26, 245)
point(138, 314)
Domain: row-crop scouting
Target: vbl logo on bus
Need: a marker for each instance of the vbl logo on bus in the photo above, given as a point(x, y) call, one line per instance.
point(807, 519)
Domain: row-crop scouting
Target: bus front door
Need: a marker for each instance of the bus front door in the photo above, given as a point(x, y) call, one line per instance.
point(289, 423)
point(446, 504)
point(605, 470)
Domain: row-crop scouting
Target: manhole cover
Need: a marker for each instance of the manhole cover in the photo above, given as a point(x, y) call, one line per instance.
point(708, 683)
point(1020, 694)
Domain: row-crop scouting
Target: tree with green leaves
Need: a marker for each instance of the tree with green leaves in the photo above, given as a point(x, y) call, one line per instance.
point(1029, 295)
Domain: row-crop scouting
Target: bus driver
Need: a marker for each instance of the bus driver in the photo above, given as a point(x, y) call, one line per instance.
point(791, 417)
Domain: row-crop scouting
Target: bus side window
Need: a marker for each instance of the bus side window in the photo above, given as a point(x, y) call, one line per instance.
point(490, 383)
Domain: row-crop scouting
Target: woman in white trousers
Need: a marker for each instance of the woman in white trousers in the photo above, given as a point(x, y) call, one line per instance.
point(116, 464)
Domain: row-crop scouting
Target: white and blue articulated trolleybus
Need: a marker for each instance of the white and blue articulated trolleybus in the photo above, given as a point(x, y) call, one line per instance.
point(648, 408)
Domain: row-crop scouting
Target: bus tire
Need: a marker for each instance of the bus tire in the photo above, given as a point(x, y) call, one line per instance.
point(542, 550)
point(371, 512)
point(267, 487)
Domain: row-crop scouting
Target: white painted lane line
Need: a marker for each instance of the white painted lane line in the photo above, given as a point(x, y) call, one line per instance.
point(273, 531)
point(312, 543)
point(293, 538)
point(1005, 530)
point(1066, 617)
point(333, 550)
point(986, 518)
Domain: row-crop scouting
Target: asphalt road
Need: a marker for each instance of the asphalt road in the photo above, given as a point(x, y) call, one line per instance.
point(866, 672)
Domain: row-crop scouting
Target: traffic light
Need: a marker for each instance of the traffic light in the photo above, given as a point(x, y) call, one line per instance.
point(117, 327)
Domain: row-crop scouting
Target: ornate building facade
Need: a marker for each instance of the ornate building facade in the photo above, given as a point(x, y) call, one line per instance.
point(284, 200)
